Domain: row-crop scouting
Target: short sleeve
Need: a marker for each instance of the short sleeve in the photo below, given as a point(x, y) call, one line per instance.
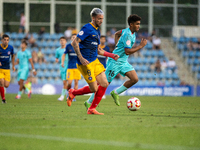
point(57, 54)
point(66, 49)
point(127, 41)
point(29, 55)
point(84, 32)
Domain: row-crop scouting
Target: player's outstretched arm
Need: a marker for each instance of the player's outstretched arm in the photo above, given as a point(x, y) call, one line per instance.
point(117, 36)
point(32, 65)
point(75, 44)
point(107, 54)
point(63, 59)
point(129, 51)
point(13, 62)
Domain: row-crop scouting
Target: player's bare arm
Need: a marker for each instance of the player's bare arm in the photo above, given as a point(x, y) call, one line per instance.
point(13, 63)
point(107, 54)
point(129, 51)
point(17, 62)
point(32, 65)
point(62, 60)
point(117, 36)
point(75, 44)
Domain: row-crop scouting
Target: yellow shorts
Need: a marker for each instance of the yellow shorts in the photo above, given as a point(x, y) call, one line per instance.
point(5, 74)
point(73, 74)
point(90, 71)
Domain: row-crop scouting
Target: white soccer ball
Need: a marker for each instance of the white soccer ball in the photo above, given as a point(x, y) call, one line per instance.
point(133, 104)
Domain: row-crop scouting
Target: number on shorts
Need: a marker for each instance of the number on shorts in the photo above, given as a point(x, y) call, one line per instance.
point(89, 72)
point(111, 73)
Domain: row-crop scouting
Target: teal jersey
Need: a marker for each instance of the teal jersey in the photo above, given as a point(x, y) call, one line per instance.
point(23, 57)
point(126, 40)
point(59, 53)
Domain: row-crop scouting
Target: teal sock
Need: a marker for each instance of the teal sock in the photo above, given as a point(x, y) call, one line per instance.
point(63, 92)
point(20, 93)
point(121, 89)
point(91, 98)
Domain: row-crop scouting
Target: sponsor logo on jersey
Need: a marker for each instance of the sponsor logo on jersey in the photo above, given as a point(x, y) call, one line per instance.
point(90, 78)
point(94, 43)
point(4, 56)
point(128, 42)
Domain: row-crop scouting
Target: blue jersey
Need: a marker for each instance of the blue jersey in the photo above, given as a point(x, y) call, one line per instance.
point(126, 40)
point(90, 39)
point(59, 53)
point(23, 57)
point(5, 56)
point(101, 58)
point(71, 56)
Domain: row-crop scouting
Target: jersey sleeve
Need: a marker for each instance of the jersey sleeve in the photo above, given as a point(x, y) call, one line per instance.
point(84, 32)
point(29, 55)
point(57, 55)
point(12, 51)
point(66, 49)
point(127, 41)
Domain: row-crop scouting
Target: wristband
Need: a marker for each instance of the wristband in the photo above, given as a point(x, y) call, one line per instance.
point(107, 54)
point(33, 70)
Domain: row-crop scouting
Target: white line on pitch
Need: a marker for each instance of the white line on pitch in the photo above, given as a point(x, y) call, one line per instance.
point(98, 142)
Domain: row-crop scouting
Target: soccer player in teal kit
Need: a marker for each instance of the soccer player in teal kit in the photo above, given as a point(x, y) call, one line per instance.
point(124, 40)
point(63, 70)
point(86, 46)
point(5, 52)
point(23, 59)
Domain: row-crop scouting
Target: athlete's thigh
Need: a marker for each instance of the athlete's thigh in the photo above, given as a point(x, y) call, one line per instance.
point(132, 75)
point(93, 86)
point(70, 81)
point(102, 80)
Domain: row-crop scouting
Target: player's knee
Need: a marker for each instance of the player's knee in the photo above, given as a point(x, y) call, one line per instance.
point(105, 85)
point(6, 86)
point(134, 81)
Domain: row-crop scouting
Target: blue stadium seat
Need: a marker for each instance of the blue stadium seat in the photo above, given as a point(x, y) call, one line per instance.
point(139, 60)
point(147, 53)
point(20, 36)
point(13, 36)
point(189, 61)
point(37, 66)
point(160, 53)
point(149, 45)
point(182, 40)
point(137, 68)
point(54, 75)
point(11, 42)
point(197, 54)
point(196, 61)
point(153, 83)
point(149, 75)
point(52, 59)
point(167, 83)
point(51, 44)
point(194, 39)
point(43, 66)
point(44, 44)
point(191, 54)
point(57, 44)
point(152, 60)
point(175, 76)
point(154, 53)
point(46, 36)
point(44, 81)
point(47, 74)
point(17, 43)
point(145, 61)
point(40, 74)
point(198, 76)
point(131, 60)
point(198, 69)
point(144, 68)
point(35, 35)
point(161, 75)
point(184, 54)
point(175, 39)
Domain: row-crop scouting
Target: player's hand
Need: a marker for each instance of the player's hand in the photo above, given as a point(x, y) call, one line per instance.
point(116, 57)
point(84, 61)
point(34, 73)
point(13, 68)
point(143, 42)
point(0, 64)
point(62, 65)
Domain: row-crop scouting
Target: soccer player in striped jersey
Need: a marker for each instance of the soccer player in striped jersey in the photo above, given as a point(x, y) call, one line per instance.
point(6, 51)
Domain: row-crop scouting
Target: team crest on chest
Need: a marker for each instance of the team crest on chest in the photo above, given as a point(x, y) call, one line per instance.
point(8, 52)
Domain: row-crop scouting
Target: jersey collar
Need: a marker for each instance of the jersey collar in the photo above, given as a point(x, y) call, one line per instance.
point(103, 46)
point(93, 26)
point(4, 47)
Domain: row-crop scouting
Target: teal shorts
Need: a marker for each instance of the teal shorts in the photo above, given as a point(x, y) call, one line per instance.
point(114, 67)
point(63, 73)
point(22, 74)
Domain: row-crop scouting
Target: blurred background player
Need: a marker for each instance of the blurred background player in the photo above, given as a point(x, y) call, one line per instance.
point(72, 71)
point(5, 52)
point(125, 40)
point(23, 58)
point(101, 58)
point(63, 70)
point(86, 45)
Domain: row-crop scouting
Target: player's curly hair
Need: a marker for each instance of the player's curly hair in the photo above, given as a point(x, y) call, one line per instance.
point(133, 18)
point(95, 12)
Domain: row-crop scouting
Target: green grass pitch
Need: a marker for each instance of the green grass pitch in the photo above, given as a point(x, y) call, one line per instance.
point(43, 123)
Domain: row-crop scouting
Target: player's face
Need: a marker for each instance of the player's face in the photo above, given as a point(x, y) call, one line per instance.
point(73, 37)
point(63, 42)
point(23, 45)
point(98, 20)
point(102, 40)
point(135, 26)
point(5, 41)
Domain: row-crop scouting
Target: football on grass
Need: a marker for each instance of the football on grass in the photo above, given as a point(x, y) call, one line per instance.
point(133, 104)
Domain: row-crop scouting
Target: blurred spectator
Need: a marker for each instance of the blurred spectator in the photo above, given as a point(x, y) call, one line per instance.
point(198, 43)
point(157, 66)
point(163, 65)
point(171, 64)
point(183, 83)
point(189, 45)
point(40, 56)
point(74, 31)
point(113, 30)
point(156, 42)
point(34, 57)
point(41, 31)
point(111, 40)
point(68, 33)
point(57, 28)
point(22, 23)
point(32, 42)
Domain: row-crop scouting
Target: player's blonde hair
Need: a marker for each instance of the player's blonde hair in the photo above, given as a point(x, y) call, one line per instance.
point(95, 12)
